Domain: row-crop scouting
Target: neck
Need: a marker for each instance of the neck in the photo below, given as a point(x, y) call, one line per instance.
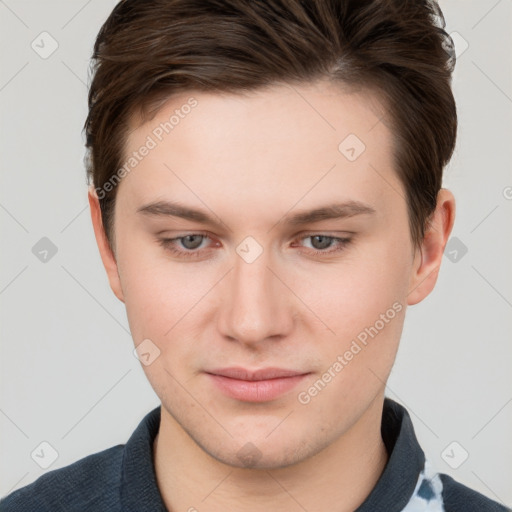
point(342, 474)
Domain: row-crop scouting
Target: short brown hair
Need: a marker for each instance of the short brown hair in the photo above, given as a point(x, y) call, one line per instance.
point(148, 50)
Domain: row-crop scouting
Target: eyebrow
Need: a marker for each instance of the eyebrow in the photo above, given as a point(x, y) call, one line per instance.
point(330, 211)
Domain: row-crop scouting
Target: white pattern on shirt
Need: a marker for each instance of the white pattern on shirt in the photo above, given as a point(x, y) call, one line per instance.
point(428, 493)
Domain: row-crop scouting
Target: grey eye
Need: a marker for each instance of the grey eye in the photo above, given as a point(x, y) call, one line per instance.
point(191, 241)
point(324, 241)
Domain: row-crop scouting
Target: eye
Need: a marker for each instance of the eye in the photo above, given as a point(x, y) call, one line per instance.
point(320, 242)
point(189, 244)
point(192, 241)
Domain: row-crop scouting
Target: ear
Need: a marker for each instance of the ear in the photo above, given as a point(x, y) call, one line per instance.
point(106, 253)
point(427, 260)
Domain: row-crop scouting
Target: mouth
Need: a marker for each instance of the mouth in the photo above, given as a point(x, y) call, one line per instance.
point(262, 385)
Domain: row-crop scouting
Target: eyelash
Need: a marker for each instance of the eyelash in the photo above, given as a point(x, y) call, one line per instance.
point(169, 245)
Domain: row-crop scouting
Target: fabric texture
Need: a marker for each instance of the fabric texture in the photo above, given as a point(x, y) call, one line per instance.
point(122, 478)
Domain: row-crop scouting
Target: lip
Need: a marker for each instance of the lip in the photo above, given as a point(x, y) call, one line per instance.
point(260, 385)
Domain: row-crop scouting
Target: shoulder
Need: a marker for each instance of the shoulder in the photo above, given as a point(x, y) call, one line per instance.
point(91, 483)
point(457, 497)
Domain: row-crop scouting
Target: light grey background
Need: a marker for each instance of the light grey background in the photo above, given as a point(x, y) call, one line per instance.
point(68, 374)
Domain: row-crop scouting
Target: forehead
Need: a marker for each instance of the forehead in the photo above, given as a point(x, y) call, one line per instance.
point(319, 108)
point(285, 143)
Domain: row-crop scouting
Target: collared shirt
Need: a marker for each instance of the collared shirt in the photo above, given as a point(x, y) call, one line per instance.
point(122, 478)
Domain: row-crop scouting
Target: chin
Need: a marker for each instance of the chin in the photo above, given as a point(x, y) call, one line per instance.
point(261, 453)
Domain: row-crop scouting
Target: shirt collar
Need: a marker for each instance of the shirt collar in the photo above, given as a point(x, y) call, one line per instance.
point(406, 460)
point(139, 490)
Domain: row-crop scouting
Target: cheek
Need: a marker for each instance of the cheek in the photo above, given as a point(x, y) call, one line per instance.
point(354, 294)
point(366, 311)
point(156, 292)
point(364, 308)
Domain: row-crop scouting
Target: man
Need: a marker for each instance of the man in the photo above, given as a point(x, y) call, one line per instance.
point(266, 198)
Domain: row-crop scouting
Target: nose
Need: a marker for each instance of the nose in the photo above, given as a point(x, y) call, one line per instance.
point(256, 306)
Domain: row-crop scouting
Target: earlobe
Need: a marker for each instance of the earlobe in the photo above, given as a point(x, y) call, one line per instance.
point(107, 256)
point(428, 259)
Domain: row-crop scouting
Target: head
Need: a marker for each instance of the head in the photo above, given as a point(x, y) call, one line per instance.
point(266, 192)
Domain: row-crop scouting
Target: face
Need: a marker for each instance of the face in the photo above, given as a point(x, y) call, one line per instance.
point(298, 261)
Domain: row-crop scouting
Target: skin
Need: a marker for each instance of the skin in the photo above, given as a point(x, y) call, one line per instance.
point(250, 160)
